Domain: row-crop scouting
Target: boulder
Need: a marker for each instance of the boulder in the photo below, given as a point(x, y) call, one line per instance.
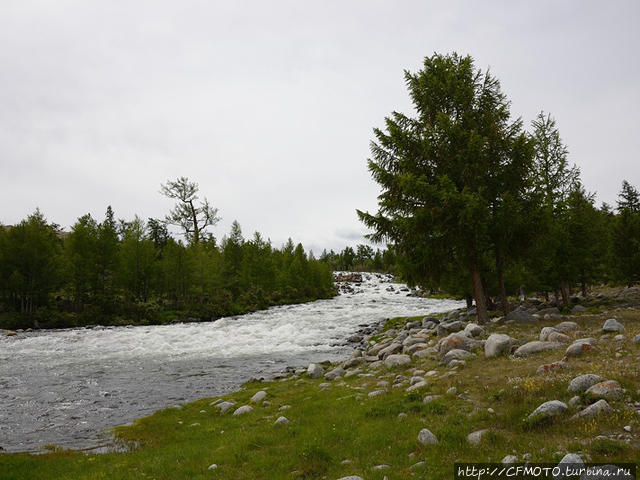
point(578, 348)
point(456, 354)
point(282, 421)
point(373, 351)
point(549, 311)
point(520, 315)
point(612, 325)
point(259, 396)
point(460, 341)
point(474, 330)
point(335, 373)
point(558, 337)
point(579, 309)
point(354, 361)
point(547, 410)
point(412, 341)
point(426, 321)
point(509, 459)
point(450, 327)
point(534, 347)
point(414, 348)
point(315, 371)
point(552, 367)
point(242, 410)
point(570, 460)
point(498, 344)
point(390, 350)
point(397, 360)
point(582, 383)
point(545, 332)
point(225, 406)
point(566, 327)
point(636, 339)
point(476, 437)
point(598, 408)
point(607, 390)
point(425, 437)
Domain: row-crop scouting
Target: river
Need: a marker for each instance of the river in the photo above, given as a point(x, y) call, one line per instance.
point(65, 387)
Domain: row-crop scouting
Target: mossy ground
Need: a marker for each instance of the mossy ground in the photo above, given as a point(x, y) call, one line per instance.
point(337, 423)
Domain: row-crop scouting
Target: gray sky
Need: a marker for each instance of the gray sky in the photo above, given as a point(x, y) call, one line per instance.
point(270, 106)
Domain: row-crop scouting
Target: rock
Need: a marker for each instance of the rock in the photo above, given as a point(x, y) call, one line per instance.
point(376, 393)
point(570, 460)
point(509, 459)
point(242, 410)
point(476, 437)
point(581, 383)
point(416, 386)
point(373, 351)
point(534, 347)
point(10, 333)
point(458, 340)
point(456, 354)
point(351, 477)
point(498, 344)
point(636, 339)
point(354, 362)
point(390, 350)
point(407, 342)
point(315, 371)
point(456, 363)
point(425, 437)
point(259, 396)
point(549, 311)
point(213, 466)
point(627, 428)
point(450, 327)
point(574, 401)
point(526, 457)
point(552, 367)
point(612, 325)
point(335, 373)
point(474, 330)
point(282, 421)
point(559, 337)
point(550, 409)
point(578, 348)
point(430, 398)
point(380, 467)
point(520, 315)
point(566, 327)
point(598, 408)
point(545, 332)
point(607, 390)
point(284, 407)
point(397, 360)
point(225, 406)
point(579, 309)
point(429, 320)
point(452, 391)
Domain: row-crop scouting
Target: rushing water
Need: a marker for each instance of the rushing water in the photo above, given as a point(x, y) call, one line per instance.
point(65, 387)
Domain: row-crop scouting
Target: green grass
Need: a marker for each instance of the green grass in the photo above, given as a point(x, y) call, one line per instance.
point(330, 425)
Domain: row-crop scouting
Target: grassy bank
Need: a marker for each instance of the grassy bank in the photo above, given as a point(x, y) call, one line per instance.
point(337, 429)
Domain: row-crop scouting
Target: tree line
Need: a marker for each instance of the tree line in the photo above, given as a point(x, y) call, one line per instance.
point(121, 272)
point(474, 204)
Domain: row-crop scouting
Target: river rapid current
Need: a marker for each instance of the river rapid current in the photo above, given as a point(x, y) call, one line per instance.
point(65, 387)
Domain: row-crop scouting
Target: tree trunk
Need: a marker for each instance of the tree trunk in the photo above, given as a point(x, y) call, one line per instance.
point(469, 300)
point(583, 284)
point(479, 295)
point(565, 294)
point(504, 304)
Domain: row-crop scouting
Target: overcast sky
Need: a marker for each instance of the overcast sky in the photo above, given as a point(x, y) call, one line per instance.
point(270, 106)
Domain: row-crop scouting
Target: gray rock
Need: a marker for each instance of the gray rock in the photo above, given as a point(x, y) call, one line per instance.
point(225, 406)
point(373, 351)
point(425, 437)
point(574, 401)
point(566, 327)
point(430, 398)
point(460, 341)
point(390, 350)
point(315, 371)
point(380, 467)
point(520, 315)
point(474, 330)
point(612, 325)
point(456, 354)
point(578, 348)
point(550, 409)
point(570, 460)
point(213, 466)
point(351, 477)
point(450, 327)
point(549, 311)
point(416, 347)
point(559, 337)
point(545, 332)
point(498, 344)
point(335, 373)
point(476, 437)
point(534, 347)
point(579, 309)
point(598, 408)
point(282, 421)
point(636, 339)
point(376, 393)
point(354, 362)
point(242, 410)
point(416, 386)
point(581, 383)
point(509, 459)
point(552, 367)
point(259, 396)
point(607, 390)
point(397, 360)
point(456, 363)
point(427, 320)
point(412, 341)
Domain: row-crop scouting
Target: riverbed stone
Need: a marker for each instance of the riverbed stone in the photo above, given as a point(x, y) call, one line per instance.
point(335, 373)
point(498, 344)
point(390, 350)
point(259, 396)
point(547, 410)
point(474, 330)
point(450, 327)
point(242, 410)
point(581, 383)
point(397, 360)
point(607, 390)
point(458, 340)
point(594, 410)
point(534, 347)
point(425, 437)
point(355, 361)
point(315, 371)
point(612, 325)
point(225, 406)
point(566, 327)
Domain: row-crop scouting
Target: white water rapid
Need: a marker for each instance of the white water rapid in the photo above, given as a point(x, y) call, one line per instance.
point(65, 387)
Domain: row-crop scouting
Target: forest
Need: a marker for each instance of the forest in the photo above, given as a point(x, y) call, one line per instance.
point(113, 272)
point(478, 206)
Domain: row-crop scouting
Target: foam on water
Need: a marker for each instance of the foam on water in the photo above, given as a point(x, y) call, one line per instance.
point(65, 386)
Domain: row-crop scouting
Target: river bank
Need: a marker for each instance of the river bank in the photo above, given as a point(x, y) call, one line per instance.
point(426, 393)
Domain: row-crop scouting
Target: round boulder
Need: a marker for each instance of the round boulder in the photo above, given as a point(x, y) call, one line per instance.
point(582, 383)
point(612, 325)
point(425, 437)
point(550, 409)
point(607, 390)
point(498, 344)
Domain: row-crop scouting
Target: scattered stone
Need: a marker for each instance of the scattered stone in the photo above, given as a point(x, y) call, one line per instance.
point(376, 393)
point(550, 409)
point(578, 348)
point(498, 344)
point(491, 410)
point(598, 408)
point(416, 347)
point(282, 421)
point(402, 416)
point(225, 406)
point(474, 330)
point(315, 371)
point(390, 350)
point(552, 367)
point(579, 309)
point(285, 407)
point(636, 339)
point(581, 383)
point(627, 428)
point(460, 341)
point(452, 391)
point(534, 347)
point(242, 410)
point(619, 338)
point(415, 466)
point(559, 337)
point(607, 390)
point(416, 386)
point(574, 401)
point(397, 360)
point(612, 325)
point(380, 467)
point(450, 327)
point(354, 362)
point(213, 466)
point(475, 438)
point(520, 315)
point(566, 327)
point(259, 396)
point(335, 373)
point(527, 457)
point(351, 477)
point(456, 354)
point(545, 332)
point(430, 398)
point(509, 459)
point(425, 437)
